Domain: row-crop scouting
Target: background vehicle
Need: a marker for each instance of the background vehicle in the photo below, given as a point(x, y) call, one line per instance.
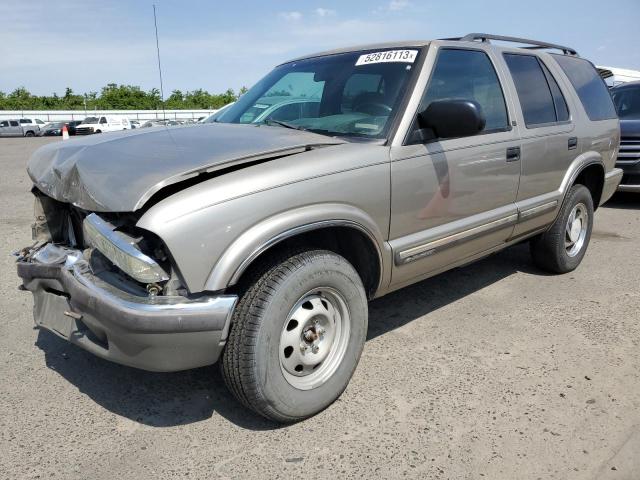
point(102, 124)
point(31, 122)
point(134, 123)
point(71, 126)
point(13, 128)
point(259, 245)
point(626, 98)
point(52, 129)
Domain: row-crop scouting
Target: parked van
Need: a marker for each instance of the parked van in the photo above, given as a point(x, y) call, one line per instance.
point(102, 124)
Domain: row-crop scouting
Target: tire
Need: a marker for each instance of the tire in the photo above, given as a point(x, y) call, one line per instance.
point(266, 345)
point(98, 131)
point(29, 134)
point(560, 250)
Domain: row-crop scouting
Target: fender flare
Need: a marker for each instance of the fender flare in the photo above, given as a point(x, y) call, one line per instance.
point(581, 162)
point(274, 229)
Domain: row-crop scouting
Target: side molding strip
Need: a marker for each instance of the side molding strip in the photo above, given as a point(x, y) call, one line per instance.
point(427, 249)
point(538, 210)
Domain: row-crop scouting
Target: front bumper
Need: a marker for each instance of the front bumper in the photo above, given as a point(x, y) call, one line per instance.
point(152, 333)
point(631, 175)
point(611, 181)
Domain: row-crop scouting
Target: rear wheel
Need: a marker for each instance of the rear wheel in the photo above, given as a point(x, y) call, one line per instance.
point(297, 335)
point(29, 134)
point(561, 248)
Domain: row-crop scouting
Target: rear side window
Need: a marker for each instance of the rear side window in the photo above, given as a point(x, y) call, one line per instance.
point(533, 89)
point(562, 111)
point(468, 75)
point(591, 89)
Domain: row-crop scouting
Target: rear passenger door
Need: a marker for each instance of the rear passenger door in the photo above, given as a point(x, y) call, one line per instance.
point(548, 140)
point(455, 198)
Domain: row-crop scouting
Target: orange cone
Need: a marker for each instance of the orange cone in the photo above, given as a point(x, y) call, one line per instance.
point(65, 132)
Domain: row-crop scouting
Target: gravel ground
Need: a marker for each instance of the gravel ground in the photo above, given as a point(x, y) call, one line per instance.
point(493, 371)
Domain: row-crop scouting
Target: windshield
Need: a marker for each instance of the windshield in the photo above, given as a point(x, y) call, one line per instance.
point(55, 125)
point(627, 102)
point(348, 94)
point(90, 120)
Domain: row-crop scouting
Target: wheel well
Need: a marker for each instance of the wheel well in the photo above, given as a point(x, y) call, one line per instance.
point(592, 177)
point(354, 245)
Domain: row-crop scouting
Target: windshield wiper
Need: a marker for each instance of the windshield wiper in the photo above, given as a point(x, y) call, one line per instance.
point(284, 124)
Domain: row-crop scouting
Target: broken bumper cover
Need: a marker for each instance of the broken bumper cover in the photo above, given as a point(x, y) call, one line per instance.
point(152, 333)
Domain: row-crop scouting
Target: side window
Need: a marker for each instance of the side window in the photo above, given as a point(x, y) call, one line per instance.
point(310, 109)
point(4, 124)
point(39, 122)
point(24, 120)
point(468, 75)
point(13, 123)
point(560, 104)
point(533, 90)
point(288, 112)
point(590, 87)
point(103, 120)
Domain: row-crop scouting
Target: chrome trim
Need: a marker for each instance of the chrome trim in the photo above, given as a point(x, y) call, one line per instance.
point(302, 229)
point(537, 210)
point(629, 188)
point(125, 301)
point(118, 240)
point(427, 249)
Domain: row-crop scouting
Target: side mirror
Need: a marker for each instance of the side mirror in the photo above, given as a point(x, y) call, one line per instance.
point(452, 119)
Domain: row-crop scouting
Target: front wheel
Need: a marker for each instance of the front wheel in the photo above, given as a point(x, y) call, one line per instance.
point(561, 248)
point(29, 134)
point(297, 335)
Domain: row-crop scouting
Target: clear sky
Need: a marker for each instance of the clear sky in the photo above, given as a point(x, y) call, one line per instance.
point(85, 44)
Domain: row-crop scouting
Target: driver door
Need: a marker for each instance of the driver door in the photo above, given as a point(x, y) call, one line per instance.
point(453, 199)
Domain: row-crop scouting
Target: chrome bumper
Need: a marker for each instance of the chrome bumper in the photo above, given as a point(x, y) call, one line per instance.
point(163, 333)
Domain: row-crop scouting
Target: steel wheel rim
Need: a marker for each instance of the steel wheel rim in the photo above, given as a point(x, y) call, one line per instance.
point(314, 338)
point(575, 232)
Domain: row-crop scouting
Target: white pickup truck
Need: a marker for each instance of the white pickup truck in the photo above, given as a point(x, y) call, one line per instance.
point(102, 124)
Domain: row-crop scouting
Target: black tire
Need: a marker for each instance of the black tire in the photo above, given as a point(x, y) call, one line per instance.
point(29, 134)
point(549, 250)
point(251, 361)
point(98, 131)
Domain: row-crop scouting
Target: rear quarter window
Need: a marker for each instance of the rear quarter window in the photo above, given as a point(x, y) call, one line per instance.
point(591, 89)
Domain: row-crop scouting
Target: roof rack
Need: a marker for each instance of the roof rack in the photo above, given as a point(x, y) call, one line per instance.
point(531, 44)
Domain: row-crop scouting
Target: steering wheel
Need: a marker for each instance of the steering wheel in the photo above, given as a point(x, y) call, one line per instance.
point(375, 109)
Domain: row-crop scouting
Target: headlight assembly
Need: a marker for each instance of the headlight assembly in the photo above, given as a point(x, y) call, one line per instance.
point(120, 250)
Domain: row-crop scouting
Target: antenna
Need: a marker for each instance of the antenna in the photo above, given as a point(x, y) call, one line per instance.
point(155, 22)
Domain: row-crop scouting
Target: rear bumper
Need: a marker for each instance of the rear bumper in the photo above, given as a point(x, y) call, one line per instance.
point(611, 181)
point(157, 334)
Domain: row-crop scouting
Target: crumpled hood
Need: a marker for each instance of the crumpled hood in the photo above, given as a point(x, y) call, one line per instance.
point(119, 172)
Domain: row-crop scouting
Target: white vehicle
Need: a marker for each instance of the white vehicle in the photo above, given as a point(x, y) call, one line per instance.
point(106, 123)
point(31, 122)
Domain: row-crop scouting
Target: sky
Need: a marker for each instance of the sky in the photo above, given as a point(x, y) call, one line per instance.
point(46, 46)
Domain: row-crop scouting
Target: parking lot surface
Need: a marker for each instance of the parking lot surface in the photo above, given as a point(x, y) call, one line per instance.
point(495, 370)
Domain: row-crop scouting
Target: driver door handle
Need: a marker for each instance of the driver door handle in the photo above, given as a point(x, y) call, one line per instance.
point(513, 154)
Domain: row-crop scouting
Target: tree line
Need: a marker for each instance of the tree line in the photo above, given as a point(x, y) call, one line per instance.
point(117, 97)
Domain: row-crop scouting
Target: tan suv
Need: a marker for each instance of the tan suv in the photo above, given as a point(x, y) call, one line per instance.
point(260, 243)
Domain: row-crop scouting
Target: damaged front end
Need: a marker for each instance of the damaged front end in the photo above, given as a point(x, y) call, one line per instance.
point(110, 288)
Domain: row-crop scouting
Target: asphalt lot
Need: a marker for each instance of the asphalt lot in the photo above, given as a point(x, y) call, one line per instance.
point(492, 371)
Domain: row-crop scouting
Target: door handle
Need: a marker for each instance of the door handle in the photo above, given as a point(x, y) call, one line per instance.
point(572, 143)
point(513, 154)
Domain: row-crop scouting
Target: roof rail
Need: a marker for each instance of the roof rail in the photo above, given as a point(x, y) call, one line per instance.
point(531, 44)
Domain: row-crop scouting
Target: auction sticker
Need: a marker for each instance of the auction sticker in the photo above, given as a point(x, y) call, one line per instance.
point(405, 56)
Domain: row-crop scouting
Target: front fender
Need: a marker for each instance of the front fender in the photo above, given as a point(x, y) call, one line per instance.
point(248, 246)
